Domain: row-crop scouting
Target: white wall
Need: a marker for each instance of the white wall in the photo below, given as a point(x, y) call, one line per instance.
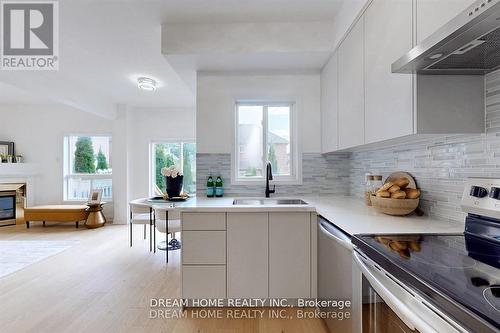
point(38, 132)
point(153, 124)
point(121, 166)
point(215, 112)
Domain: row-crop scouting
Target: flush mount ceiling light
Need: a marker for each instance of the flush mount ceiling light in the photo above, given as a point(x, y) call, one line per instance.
point(145, 83)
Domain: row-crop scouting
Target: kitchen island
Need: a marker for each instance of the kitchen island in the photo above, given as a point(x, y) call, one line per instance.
point(269, 250)
point(347, 212)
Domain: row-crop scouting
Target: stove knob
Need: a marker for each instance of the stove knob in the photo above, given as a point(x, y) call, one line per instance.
point(495, 193)
point(478, 191)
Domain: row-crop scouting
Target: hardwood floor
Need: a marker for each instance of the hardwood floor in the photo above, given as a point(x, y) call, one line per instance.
point(103, 285)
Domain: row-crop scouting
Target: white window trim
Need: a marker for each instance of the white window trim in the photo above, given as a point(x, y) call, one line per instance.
point(151, 155)
point(295, 177)
point(67, 175)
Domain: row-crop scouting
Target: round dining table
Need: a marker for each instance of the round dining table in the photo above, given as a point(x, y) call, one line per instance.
point(170, 211)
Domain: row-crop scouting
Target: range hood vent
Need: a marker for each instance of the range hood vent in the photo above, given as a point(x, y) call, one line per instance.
point(469, 44)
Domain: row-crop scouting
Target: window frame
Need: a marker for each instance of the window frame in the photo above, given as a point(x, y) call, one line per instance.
point(295, 177)
point(152, 156)
point(67, 173)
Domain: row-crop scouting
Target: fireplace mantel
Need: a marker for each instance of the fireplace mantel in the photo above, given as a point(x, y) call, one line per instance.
point(18, 170)
point(20, 173)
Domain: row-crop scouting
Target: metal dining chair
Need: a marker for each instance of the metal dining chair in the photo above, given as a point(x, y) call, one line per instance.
point(141, 213)
point(167, 220)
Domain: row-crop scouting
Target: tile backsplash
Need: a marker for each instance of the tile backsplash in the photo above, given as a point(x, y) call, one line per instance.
point(322, 174)
point(440, 165)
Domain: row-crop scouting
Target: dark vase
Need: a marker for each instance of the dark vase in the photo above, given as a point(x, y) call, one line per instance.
point(174, 186)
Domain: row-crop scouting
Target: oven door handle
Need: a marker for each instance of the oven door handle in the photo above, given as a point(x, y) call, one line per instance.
point(402, 311)
point(340, 238)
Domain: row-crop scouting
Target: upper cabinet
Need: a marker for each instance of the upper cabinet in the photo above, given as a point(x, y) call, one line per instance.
point(388, 96)
point(433, 14)
point(329, 105)
point(373, 104)
point(351, 89)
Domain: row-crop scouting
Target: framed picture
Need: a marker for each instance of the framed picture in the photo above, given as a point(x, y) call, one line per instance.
point(6, 148)
point(95, 197)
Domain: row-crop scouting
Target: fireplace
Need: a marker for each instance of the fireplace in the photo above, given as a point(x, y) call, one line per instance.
point(7, 208)
point(12, 203)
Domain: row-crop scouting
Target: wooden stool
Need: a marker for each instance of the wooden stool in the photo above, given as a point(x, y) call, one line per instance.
point(96, 218)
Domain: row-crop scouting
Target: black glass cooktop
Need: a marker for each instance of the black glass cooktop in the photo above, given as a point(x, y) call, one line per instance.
point(459, 273)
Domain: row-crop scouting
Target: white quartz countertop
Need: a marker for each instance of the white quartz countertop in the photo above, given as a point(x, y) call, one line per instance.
point(348, 213)
point(225, 204)
point(354, 217)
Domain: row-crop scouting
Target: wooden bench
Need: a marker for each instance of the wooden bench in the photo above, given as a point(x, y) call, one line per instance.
point(55, 213)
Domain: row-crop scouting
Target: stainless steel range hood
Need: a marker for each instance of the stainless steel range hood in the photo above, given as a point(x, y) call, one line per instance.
point(469, 44)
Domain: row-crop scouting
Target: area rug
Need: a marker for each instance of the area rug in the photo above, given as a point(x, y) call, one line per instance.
point(16, 255)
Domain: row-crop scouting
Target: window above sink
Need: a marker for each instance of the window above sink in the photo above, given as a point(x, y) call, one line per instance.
point(265, 132)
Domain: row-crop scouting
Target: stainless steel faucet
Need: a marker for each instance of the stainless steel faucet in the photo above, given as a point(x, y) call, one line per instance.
point(269, 176)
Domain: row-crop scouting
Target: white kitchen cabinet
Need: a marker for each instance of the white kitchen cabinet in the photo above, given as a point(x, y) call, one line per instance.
point(203, 221)
point(374, 104)
point(351, 89)
point(289, 255)
point(247, 255)
point(329, 105)
point(203, 281)
point(388, 96)
point(203, 255)
point(204, 247)
point(433, 14)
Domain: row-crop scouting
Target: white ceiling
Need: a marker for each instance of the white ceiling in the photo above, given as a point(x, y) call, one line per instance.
point(106, 44)
point(225, 11)
point(13, 95)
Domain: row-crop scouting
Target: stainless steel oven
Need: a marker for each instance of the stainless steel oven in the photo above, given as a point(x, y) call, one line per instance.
point(7, 208)
point(386, 305)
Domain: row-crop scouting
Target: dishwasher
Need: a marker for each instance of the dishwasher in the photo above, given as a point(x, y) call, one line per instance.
point(335, 276)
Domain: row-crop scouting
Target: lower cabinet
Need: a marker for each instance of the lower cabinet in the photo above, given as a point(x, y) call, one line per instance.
point(289, 255)
point(247, 255)
point(268, 255)
point(203, 281)
point(203, 255)
point(258, 255)
point(204, 247)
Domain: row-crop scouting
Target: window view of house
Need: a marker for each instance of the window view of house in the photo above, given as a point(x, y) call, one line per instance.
point(87, 166)
point(278, 139)
point(264, 127)
point(182, 155)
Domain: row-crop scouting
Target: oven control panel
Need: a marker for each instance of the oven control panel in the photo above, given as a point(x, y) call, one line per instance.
point(482, 196)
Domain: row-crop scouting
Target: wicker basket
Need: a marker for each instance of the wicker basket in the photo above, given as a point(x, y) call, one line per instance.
point(398, 207)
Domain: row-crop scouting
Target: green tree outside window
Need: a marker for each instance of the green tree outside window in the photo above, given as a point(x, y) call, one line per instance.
point(102, 164)
point(162, 160)
point(84, 161)
point(189, 152)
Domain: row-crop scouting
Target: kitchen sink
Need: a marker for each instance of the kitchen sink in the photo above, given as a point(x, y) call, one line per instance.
point(270, 202)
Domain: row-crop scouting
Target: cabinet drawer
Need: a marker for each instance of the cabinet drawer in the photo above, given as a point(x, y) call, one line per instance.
point(203, 221)
point(203, 281)
point(204, 247)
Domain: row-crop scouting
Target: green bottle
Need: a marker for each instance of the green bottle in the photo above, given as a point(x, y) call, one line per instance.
point(210, 187)
point(219, 189)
